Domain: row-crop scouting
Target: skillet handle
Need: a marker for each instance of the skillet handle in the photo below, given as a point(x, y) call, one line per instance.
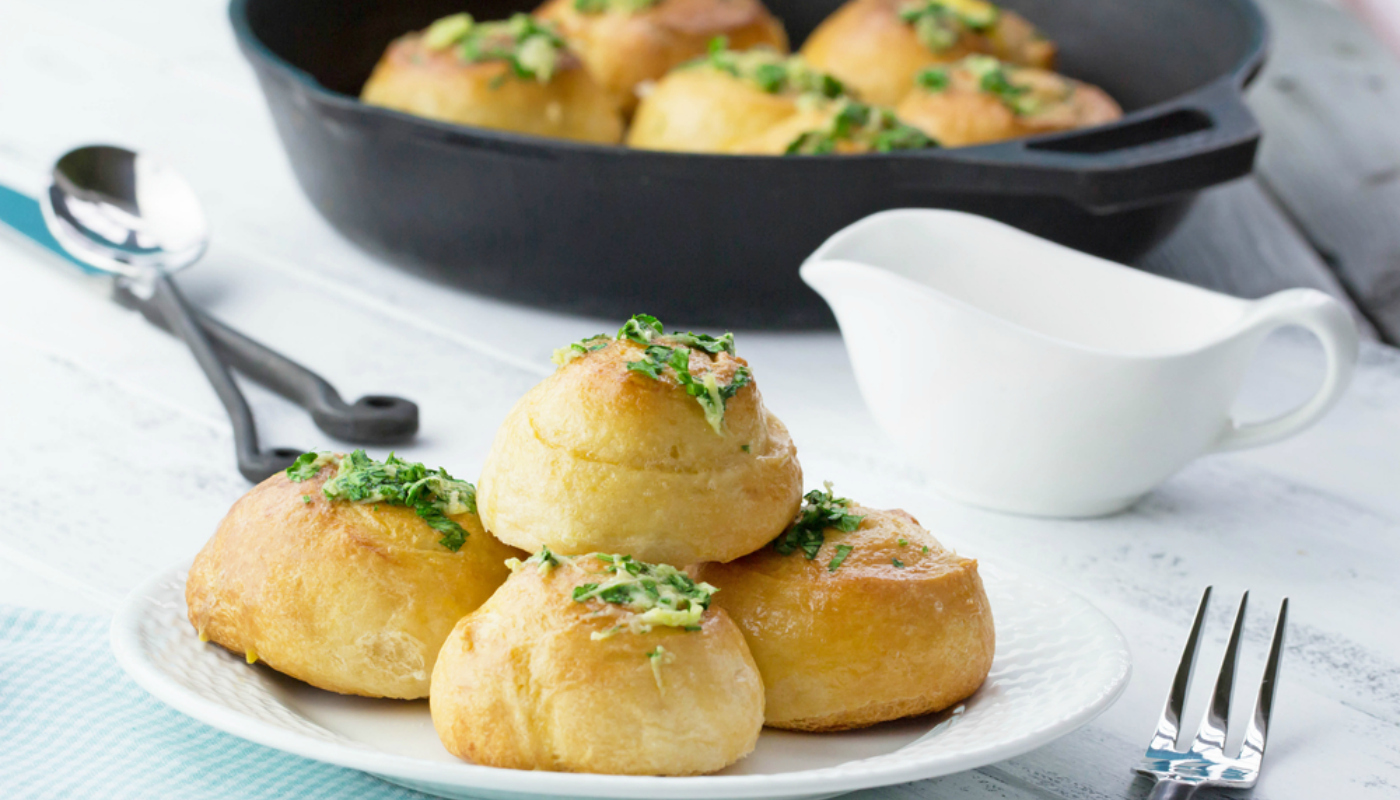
point(1203, 139)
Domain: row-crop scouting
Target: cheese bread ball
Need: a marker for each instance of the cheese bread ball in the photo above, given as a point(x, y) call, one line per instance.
point(626, 44)
point(323, 573)
point(857, 616)
point(514, 75)
point(980, 99)
point(876, 46)
point(714, 104)
point(645, 443)
point(598, 664)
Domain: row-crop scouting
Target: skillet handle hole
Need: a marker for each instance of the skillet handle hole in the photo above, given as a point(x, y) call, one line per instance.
point(1180, 122)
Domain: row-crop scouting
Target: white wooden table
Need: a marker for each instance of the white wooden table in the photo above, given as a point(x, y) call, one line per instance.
point(117, 458)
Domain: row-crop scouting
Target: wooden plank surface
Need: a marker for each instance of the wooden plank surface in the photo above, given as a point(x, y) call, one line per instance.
point(1329, 102)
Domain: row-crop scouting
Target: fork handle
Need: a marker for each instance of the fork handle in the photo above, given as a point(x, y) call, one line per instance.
point(1173, 790)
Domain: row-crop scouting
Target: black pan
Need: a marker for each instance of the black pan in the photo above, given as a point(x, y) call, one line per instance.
point(716, 240)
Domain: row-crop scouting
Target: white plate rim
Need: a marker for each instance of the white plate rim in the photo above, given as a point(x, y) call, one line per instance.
point(125, 642)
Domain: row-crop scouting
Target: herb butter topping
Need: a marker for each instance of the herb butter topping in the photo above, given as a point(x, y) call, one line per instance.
point(992, 77)
point(866, 126)
point(771, 71)
point(531, 47)
point(432, 493)
point(939, 24)
point(650, 594)
point(670, 354)
point(624, 6)
point(820, 510)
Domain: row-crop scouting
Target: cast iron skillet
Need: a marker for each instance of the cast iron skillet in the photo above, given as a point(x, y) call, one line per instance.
point(716, 240)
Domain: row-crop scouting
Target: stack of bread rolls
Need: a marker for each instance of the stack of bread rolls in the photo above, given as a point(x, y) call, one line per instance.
point(639, 536)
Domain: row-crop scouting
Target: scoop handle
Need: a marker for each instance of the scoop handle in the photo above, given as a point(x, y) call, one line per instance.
point(255, 465)
point(1334, 328)
point(373, 419)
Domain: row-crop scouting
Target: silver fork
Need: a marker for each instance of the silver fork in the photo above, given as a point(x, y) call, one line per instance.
point(1180, 773)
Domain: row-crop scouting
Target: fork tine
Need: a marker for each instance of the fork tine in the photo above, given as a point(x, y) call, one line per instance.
point(1169, 726)
point(1255, 736)
point(1213, 728)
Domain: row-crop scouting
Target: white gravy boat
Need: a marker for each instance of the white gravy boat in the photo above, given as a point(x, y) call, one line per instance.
point(1031, 378)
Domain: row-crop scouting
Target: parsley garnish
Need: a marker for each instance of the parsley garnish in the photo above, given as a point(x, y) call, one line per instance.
point(925, 548)
point(432, 493)
point(599, 6)
point(939, 24)
point(641, 328)
point(659, 657)
point(820, 510)
point(645, 329)
point(582, 347)
point(842, 550)
point(306, 498)
point(898, 564)
point(901, 541)
point(659, 594)
point(868, 126)
point(933, 79)
point(531, 47)
point(307, 465)
point(770, 71)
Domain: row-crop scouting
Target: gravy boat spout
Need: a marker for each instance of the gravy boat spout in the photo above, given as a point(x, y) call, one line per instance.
point(1031, 378)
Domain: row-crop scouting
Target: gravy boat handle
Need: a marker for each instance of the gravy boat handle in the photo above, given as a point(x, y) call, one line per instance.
point(1329, 321)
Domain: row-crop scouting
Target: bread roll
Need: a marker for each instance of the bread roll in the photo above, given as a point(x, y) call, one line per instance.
point(628, 43)
point(513, 76)
point(980, 99)
point(613, 453)
point(881, 623)
point(351, 597)
point(536, 679)
point(876, 46)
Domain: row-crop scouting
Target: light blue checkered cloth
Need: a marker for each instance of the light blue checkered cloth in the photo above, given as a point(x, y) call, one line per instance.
point(73, 726)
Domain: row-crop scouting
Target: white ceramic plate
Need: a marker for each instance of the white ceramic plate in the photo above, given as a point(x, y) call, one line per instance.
point(1059, 663)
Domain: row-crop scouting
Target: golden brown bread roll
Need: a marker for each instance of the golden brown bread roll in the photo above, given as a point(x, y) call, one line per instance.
point(514, 75)
point(650, 444)
point(352, 597)
point(760, 102)
point(980, 99)
point(627, 43)
point(598, 664)
point(876, 46)
point(857, 616)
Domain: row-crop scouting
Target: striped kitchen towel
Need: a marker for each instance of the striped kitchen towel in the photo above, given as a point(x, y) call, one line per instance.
point(73, 726)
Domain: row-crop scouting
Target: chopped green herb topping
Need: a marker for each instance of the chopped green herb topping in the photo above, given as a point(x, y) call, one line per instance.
point(939, 24)
point(659, 594)
point(641, 328)
point(901, 541)
point(872, 127)
point(933, 79)
point(306, 498)
point(842, 550)
point(898, 564)
point(625, 6)
point(771, 71)
point(307, 465)
point(820, 510)
point(582, 347)
point(744, 447)
point(992, 77)
point(925, 548)
point(531, 47)
point(432, 493)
